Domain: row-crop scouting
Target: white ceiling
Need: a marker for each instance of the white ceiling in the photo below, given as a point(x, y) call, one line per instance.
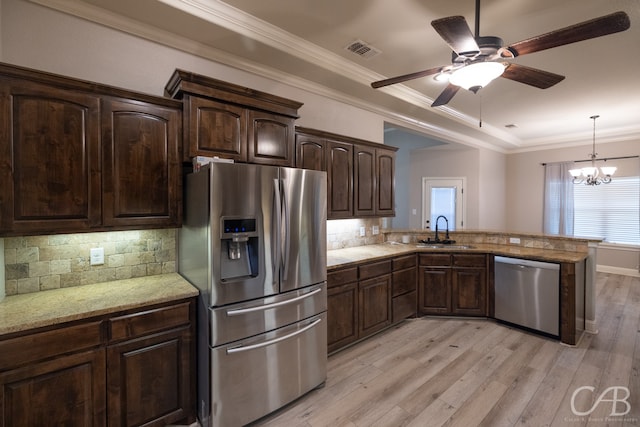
point(304, 41)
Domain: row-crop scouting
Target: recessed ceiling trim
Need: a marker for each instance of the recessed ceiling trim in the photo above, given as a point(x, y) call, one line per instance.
point(131, 26)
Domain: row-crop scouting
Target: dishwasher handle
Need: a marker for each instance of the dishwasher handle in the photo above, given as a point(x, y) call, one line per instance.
point(527, 263)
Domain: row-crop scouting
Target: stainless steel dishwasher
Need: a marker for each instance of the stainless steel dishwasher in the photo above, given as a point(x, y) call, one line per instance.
point(527, 293)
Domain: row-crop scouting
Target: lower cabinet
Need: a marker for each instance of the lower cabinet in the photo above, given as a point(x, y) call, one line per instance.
point(403, 288)
point(342, 308)
point(66, 391)
point(130, 370)
point(453, 284)
point(374, 293)
point(369, 297)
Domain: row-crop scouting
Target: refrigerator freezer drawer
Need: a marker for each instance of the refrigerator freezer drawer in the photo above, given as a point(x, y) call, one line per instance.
point(238, 321)
point(255, 376)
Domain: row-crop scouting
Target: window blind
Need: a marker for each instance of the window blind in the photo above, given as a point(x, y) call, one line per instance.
point(609, 211)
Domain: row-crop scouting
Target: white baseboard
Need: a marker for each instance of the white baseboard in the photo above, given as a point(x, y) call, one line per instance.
point(590, 327)
point(617, 270)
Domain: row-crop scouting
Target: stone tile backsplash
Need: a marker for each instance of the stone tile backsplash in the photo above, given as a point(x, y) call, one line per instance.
point(345, 233)
point(38, 263)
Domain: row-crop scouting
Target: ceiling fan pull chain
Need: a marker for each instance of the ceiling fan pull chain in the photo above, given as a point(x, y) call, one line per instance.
point(480, 123)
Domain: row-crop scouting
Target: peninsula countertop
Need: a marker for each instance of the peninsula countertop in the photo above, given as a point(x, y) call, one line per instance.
point(344, 257)
point(46, 308)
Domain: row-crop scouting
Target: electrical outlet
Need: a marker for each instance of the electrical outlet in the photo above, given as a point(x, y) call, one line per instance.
point(514, 240)
point(96, 256)
point(375, 230)
point(363, 231)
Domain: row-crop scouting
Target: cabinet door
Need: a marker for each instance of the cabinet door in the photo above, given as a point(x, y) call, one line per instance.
point(340, 180)
point(141, 172)
point(65, 391)
point(342, 315)
point(214, 129)
point(434, 293)
point(49, 159)
point(469, 291)
point(364, 181)
point(149, 379)
point(271, 139)
point(374, 304)
point(310, 152)
point(385, 202)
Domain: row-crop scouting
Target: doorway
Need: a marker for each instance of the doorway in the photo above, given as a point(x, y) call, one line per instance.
point(443, 196)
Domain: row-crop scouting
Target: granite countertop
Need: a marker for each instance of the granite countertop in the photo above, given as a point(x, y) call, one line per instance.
point(344, 257)
point(46, 308)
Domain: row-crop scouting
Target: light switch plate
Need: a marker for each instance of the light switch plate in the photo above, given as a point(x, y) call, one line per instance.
point(375, 230)
point(514, 240)
point(363, 231)
point(96, 256)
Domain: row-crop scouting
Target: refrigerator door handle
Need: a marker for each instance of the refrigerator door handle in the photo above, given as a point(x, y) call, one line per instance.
point(276, 230)
point(286, 250)
point(241, 311)
point(241, 348)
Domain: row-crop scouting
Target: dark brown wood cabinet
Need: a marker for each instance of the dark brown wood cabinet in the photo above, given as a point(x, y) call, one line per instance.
point(54, 377)
point(78, 156)
point(369, 297)
point(149, 366)
point(374, 293)
point(404, 287)
point(453, 284)
point(360, 174)
point(135, 368)
point(234, 122)
point(342, 308)
point(141, 164)
point(310, 152)
point(373, 185)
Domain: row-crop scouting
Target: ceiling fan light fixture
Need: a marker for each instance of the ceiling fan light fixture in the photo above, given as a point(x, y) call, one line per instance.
point(477, 75)
point(442, 76)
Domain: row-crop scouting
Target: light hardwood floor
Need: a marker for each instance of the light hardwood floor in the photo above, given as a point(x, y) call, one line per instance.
point(456, 372)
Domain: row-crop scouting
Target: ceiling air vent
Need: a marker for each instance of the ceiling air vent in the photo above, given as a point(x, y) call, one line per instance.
point(362, 49)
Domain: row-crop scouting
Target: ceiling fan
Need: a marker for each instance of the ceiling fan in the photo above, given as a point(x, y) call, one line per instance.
point(476, 61)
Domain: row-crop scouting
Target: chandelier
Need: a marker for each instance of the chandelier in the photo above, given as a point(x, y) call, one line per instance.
point(590, 175)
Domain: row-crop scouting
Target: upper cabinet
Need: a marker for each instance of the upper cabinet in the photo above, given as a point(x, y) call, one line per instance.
point(233, 122)
point(360, 174)
point(78, 156)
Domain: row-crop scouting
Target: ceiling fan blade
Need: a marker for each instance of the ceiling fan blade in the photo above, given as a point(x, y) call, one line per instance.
point(608, 24)
point(405, 77)
point(455, 31)
point(446, 95)
point(531, 76)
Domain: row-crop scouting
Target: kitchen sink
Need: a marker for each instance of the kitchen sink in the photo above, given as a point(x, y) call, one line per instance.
point(442, 246)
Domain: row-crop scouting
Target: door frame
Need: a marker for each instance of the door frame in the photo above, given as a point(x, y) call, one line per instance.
point(427, 182)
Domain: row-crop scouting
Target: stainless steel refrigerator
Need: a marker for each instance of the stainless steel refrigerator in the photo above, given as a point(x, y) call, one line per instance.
point(253, 241)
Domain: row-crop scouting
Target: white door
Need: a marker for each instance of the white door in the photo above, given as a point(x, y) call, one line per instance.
point(443, 196)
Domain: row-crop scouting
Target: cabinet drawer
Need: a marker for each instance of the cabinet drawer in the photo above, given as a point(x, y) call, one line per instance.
point(403, 281)
point(340, 277)
point(146, 322)
point(374, 269)
point(442, 260)
point(469, 260)
point(41, 345)
point(404, 262)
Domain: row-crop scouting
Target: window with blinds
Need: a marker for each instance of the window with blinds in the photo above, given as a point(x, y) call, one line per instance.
point(610, 211)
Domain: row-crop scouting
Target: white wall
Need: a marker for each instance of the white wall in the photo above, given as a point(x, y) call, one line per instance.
point(37, 37)
point(445, 162)
point(492, 209)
